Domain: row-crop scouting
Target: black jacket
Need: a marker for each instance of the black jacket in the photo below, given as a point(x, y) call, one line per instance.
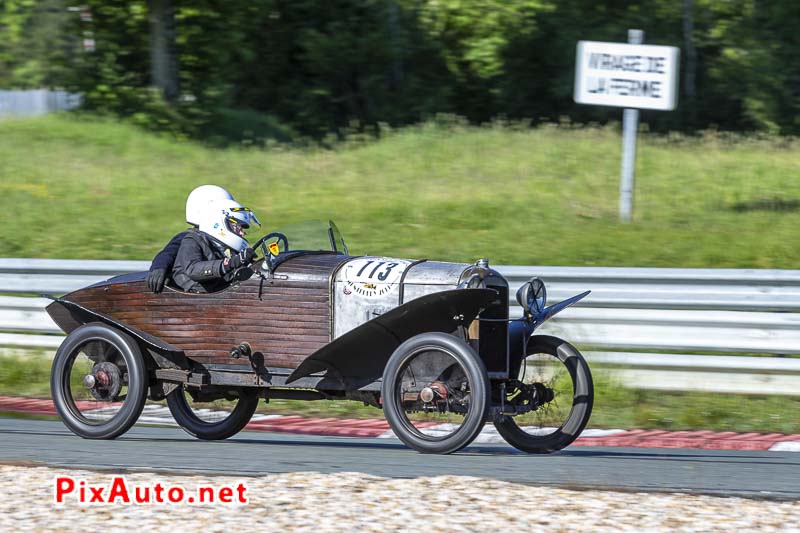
point(166, 257)
point(199, 264)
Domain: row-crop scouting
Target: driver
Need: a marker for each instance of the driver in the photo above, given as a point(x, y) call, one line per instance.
point(196, 203)
point(209, 257)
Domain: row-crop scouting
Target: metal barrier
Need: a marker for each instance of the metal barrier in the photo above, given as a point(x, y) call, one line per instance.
point(669, 288)
point(711, 311)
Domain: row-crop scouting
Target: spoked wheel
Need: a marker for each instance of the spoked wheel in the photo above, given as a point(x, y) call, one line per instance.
point(98, 382)
point(435, 393)
point(214, 420)
point(556, 384)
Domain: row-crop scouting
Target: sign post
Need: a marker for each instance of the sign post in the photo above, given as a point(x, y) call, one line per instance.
point(633, 76)
point(630, 126)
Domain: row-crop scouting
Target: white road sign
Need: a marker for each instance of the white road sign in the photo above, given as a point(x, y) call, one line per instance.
point(635, 76)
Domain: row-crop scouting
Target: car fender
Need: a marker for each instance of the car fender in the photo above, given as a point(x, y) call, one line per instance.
point(360, 355)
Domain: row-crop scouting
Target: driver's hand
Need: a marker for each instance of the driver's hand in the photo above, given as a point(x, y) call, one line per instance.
point(243, 258)
point(247, 255)
point(156, 279)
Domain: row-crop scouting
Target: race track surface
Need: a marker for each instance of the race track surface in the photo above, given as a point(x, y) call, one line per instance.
point(750, 474)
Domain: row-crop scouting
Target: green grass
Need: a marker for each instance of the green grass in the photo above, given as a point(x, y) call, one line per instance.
point(22, 375)
point(27, 416)
point(614, 406)
point(91, 188)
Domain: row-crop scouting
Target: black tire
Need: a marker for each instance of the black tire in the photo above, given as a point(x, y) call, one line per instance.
point(581, 401)
point(119, 349)
point(479, 392)
point(220, 429)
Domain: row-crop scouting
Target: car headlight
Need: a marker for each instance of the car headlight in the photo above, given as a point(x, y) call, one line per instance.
point(532, 296)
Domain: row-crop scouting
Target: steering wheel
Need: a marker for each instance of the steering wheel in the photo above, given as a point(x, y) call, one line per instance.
point(262, 242)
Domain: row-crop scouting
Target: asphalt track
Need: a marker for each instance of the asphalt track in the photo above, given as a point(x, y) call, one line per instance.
point(730, 473)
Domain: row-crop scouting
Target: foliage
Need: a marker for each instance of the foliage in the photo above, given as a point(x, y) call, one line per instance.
point(319, 67)
point(37, 44)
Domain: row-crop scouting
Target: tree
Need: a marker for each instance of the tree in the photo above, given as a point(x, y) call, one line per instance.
point(163, 57)
point(37, 45)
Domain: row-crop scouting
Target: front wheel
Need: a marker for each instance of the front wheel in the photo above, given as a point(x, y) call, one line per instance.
point(435, 393)
point(215, 422)
point(556, 384)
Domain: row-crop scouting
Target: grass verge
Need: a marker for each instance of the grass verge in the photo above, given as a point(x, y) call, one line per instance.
point(440, 190)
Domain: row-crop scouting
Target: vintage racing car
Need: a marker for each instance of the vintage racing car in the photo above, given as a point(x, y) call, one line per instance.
point(431, 343)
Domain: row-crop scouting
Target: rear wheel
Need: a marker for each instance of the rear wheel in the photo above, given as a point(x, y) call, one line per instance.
point(215, 420)
point(435, 393)
point(556, 384)
point(98, 381)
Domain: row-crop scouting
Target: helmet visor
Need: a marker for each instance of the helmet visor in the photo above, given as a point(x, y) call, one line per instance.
point(236, 226)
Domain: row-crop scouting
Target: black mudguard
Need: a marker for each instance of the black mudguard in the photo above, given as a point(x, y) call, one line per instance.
point(361, 354)
point(519, 332)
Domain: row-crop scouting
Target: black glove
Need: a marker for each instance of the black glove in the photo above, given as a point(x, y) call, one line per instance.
point(243, 258)
point(156, 279)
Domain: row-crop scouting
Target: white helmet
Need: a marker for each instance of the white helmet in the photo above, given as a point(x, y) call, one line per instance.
point(197, 202)
point(225, 221)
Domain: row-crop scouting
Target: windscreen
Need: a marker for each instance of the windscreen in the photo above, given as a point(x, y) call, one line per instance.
point(309, 235)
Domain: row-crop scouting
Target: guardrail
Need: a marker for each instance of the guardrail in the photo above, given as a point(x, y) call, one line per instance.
point(710, 311)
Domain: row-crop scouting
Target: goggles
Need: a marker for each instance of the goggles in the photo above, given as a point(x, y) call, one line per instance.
point(252, 216)
point(233, 222)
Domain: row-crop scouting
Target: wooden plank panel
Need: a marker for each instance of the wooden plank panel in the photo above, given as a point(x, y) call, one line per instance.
point(291, 321)
point(254, 319)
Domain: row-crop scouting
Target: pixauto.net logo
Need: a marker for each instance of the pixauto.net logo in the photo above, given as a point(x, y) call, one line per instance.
point(67, 489)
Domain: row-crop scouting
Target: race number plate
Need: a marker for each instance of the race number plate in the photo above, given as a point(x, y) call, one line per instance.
point(366, 288)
